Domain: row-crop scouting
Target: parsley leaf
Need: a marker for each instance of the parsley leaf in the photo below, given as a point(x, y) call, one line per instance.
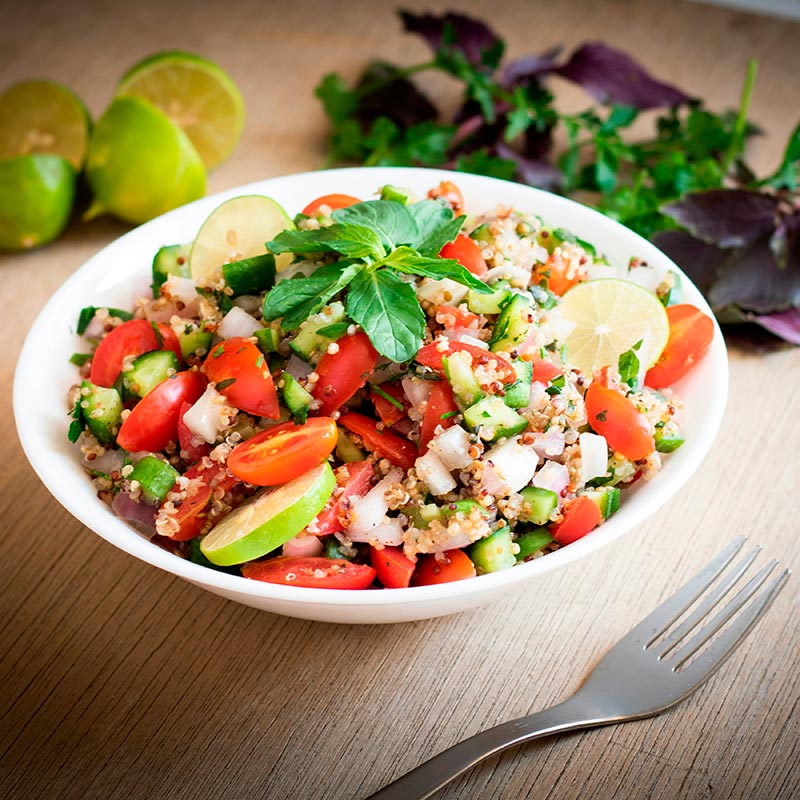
point(352, 241)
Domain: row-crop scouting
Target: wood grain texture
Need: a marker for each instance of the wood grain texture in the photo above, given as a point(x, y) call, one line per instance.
point(120, 681)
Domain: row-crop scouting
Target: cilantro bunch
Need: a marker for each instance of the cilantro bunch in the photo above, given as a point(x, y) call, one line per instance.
point(374, 244)
point(680, 186)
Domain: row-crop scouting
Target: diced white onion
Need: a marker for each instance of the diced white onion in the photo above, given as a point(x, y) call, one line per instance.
point(303, 546)
point(453, 542)
point(108, 462)
point(177, 288)
point(298, 368)
point(369, 512)
point(206, 418)
point(442, 292)
point(552, 476)
point(389, 532)
point(434, 474)
point(538, 397)
point(648, 277)
point(549, 444)
point(452, 447)
point(508, 272)
point(594, 456)
point(238, 322)
point(417, 391)
point(251, 303)
point(513, 462)
point(466, 336)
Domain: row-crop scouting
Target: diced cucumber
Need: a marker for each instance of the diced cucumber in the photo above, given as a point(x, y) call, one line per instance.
point(606, 498)
point(173, 259)
point(493, 553)
point(149, 370)
point(102, 412)
point(461, 377)
point(668, 438)
point(532, 542)
point(194, 342)
point(346, 450)
point(513, 325)
point(268, 339)
point(539, 504)
point(396, 193)
point(465, 507)
point(156, 478)
point(422, 516)
point(309, 343)
point(482, 234)
point(518, 395)
point(331, 548)
point(297, 398)
point(493, 419)
point(487, 303)
point(250, 275)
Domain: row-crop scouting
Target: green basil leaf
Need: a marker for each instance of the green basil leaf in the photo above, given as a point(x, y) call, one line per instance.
point(297, 299)
point(404, 259)
point(391, 221)
point(352, 241)
point(388, 311)
point(436, 226)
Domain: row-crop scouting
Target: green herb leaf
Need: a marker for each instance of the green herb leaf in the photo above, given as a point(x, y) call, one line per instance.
point(629, 366)
point(387, 309)
point(386, 396)
point(86, 315)
point(391, 221)
point(352, 241)
point(79, 359)
point(77, 424)
point(436, 226)
point(404, 259)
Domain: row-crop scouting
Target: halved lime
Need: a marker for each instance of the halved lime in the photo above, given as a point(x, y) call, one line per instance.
point(36, 194)
point(270, 519)
point(141, 163)
point(237, 229)
point(43, 117)
point(197, 94)
point(610, 317)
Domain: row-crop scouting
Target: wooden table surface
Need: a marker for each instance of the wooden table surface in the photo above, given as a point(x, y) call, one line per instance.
point(122, 681)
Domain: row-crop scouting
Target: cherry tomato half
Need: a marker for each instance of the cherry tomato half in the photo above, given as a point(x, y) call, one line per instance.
point(153, 421)
point(132, 338)
point(455, 317)
point(169, 340)
point(280, 454)
point(467, 253)
point(441, 410)
point(386, 444)
point(612, 415)
point(544, 371)
point(580, 516)
point(240, 371)
point(690, 335)
point(388, 411)
point(448, 191)
point(355, 479)
point(311, 572)
point(455, 566)
point(333, 201)
point(392, 567)
point(343, 373)
point(431, 356)
point(555, 272)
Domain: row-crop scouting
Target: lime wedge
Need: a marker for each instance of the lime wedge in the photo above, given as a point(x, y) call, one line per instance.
point(610, 317)
point(36, 194)
point(237, 229)
point(43, 117)
point(270, 519)
point(197, 94)
point(140, 163)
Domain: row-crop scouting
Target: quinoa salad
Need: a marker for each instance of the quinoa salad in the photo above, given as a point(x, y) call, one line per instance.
point(380, 393)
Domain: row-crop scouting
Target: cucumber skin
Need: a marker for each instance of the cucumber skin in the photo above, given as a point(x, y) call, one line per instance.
point(541, 503)
point(297, 398)
point(531, 542)
point(495, 417)
point(518, 395)
point(462, 380)
point(513, 325)
point(494, 552)
point(156, 478)
point(150, 369)
point(104, 428)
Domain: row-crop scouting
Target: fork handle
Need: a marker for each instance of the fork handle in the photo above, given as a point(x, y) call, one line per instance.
point(424, 780)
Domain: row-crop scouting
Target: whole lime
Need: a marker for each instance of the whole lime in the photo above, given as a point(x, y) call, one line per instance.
point(36, 195)
point(140, 163)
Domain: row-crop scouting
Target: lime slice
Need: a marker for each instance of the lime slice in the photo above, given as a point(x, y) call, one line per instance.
point(237, 229)
point(270, 519)
point(140, 163)
point(197, 94)
point(43, 117)
point(610, 317)
point(36, 194)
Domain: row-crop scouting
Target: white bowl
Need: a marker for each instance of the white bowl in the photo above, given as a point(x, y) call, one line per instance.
point(44, 374)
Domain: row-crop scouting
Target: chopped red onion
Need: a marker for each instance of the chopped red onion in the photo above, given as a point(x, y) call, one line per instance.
point(298, 368)
point(549, 444)
point(552, 476)
point(140, 516)
point(303, 546)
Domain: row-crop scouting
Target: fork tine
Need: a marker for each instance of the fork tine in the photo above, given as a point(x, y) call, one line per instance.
point(732, 608)
point(702, 611)
point(655, 623)
point(708, 661)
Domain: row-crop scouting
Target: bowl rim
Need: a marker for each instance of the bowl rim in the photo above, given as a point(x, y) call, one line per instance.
point(102, 521)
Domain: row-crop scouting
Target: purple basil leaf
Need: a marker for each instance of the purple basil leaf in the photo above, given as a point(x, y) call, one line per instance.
point(394, 97)
point(699, 260)
point(726, 217)
point(784, 324)
point(480, 45)
point(533, 171)
point(611, 76)
point(529, 68)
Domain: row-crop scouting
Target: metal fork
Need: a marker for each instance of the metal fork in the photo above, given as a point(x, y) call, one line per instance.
point(649, 670)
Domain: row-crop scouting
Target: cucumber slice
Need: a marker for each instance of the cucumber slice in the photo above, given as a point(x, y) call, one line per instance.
point(250, 275)
point(346, 450)
point(493, 419)
point(539, 505)
point(518, 395)
point(531, 542)
point(149, 370)
point(513, 325)
point(308, 343)
point(102, 412)
point(668, 438)
point(462, 380)
point(487, 303)
point(482, 234)
point(156, 478)
point(493, 553)
point(270, 519)
point(194, 342)
point(297, 398)
point(268, 339)
point(396, 193)
point(172, 259)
